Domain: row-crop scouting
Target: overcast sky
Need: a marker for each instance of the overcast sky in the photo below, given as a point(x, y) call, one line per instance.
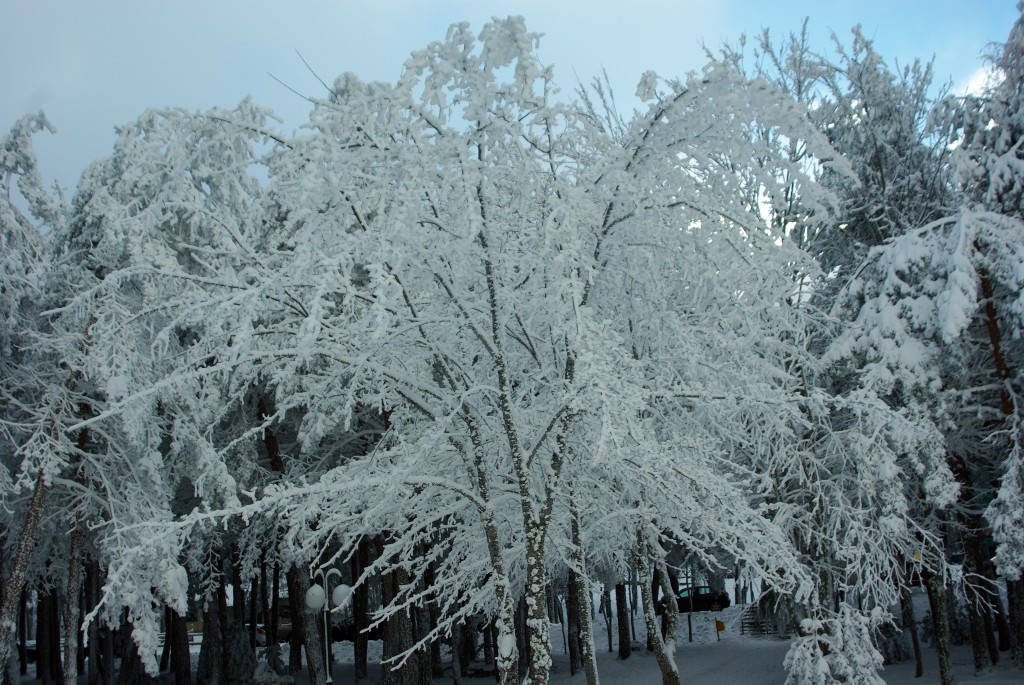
point(93, 64)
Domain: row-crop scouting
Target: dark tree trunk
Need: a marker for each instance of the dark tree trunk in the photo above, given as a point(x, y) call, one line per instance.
point(256, 616)
point(274, 627)
point(457, 667)
point(655, 589)
point(211, 654)
point(424, 662)
point(406, 672)
point(10, 597)
point(1015, 609)
point(132, 671)
point(391, 627)
point(976, 606)
point(296, 592)
point(606, 609)
point(940, 625)
point(489, 640)
point(361, 608)
point(910, 624)
point(23, 633)
point(108, 642)
point(72, 609)
point(101, 647)
point(314, 646)
point(44, 661)
point(181, 658)
point(239, 658)
point(522, 638)
point(622, 613)
point(165, 652)
point(237, 589)
point(432, 617)
point(572, 609)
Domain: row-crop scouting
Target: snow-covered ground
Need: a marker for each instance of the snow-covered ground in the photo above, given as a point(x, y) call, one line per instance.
point(733, 659)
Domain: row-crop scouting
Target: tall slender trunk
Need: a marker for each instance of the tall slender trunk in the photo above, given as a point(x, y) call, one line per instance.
point(361, 608)
point(23, 633)
point(976, 605)
point(407, 671)
point(910, 625)
point(15, 581)
point(578, 577)
point(296, 607)
point(72, 613)
point(665, 659)
point(1015, 608)
point(132, 671)
point(940, 625)
point(181, 657)
point(1004, 375)
point(622, 614)
point(211, 654)
point(456, 647)
point(299, 580)
point(165, 651)
point(572, 621)
point(44, 660)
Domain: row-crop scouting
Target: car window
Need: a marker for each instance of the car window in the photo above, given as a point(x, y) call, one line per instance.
point(704, 591)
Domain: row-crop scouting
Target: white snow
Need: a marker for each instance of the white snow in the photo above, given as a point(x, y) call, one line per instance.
point(731, 659)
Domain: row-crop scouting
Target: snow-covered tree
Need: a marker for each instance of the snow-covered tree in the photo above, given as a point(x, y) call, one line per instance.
point(38, 399)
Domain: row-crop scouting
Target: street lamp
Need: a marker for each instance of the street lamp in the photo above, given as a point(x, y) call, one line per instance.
point(316, 599)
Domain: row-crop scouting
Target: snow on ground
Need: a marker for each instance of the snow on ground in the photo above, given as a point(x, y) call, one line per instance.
point(731, 659)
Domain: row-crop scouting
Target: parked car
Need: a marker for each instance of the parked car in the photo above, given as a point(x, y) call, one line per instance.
point(701, 598)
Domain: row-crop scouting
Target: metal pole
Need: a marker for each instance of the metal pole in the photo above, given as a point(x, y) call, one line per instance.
point(327, 631)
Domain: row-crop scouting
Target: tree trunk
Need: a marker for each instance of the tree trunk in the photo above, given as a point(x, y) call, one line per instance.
point(132, 671)
point(181, 658)
point(297, 585)
point(211, 654)
point(72, 613)
point(424, 657)
point(15, 581)
point(588, 654)
point(108, 639)
point(407, 671)
point(310, 630)
point(274, 625)
point(23, 633)
point(572, 611)
point(390, 628)
point(622, 614)
point(1015, 609)
point(606, 610)
point(578, 578)
point(976, 607)
point(361, 608)
point(910, 624)
point(165, 652)
point(44, 661)
point(1015, 595)
point(940, 624)
point(666, 660)
point(522, 640)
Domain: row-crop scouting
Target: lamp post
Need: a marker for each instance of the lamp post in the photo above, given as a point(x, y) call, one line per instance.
point(316, 599)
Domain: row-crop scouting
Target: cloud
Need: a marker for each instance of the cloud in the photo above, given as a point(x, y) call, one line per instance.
point(977, 82)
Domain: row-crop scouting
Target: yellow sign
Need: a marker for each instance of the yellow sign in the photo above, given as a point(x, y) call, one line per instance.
point(719, 626)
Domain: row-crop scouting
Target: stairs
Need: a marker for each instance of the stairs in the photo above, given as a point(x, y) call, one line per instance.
point(755, 620)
